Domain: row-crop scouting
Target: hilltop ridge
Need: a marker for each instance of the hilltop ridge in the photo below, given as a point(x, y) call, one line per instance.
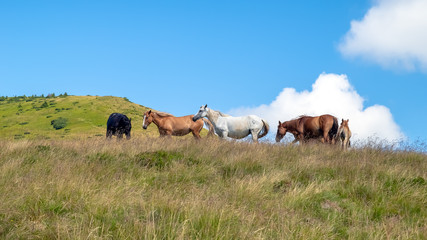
point(86, 116)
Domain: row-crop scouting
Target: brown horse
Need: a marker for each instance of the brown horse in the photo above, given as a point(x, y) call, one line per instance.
point(305, 128)
point(170, 125)
point(344, 134)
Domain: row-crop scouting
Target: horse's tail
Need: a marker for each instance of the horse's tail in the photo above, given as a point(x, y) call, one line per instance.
point(339, 133)
point(333, 133)
point(266, 128)
point(210, 126)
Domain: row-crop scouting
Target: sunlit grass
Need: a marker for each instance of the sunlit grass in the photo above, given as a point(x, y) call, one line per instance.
point(184, 189)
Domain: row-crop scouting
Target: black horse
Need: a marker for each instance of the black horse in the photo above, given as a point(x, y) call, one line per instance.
point(118, 124)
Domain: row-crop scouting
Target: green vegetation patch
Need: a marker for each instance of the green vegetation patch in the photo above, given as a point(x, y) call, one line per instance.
point(103, 157)
point(59, 123)
point(43, 148)
point(241, 169)
point(158, 159)
point(44, 105)
point(18, 136)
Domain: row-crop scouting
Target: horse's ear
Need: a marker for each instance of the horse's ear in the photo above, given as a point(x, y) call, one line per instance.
point(206, 106)
point(348, 120)
point(149, 112)
point(280, 123)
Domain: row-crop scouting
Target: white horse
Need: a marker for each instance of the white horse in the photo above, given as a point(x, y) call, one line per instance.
point(228, 127)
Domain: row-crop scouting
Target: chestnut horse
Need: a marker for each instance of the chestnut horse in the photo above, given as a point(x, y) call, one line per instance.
point(305, 128)
point(344, 134)
point(170, 125)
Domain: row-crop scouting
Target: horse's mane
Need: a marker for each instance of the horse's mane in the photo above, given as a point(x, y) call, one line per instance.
point(296, 121)
point(163, 114)
point(222, 114)
point(302, 116)
point(298, 118)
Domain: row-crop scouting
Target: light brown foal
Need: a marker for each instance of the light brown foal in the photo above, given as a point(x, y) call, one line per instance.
point(344, 134)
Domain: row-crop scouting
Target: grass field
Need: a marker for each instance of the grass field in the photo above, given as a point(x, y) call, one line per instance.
point(150, 188)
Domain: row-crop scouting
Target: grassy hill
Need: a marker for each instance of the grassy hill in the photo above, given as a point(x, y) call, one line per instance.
point(30, 117)
point(151, 188)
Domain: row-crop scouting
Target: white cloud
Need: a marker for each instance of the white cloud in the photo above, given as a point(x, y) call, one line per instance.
point(393, 33)
point(330, 94)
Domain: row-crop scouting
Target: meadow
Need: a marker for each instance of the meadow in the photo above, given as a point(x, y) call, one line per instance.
point(151, 188)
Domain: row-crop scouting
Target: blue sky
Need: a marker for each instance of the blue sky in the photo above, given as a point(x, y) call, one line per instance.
point(174, 56)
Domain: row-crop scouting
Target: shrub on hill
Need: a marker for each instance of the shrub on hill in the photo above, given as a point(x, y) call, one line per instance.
point(59, 123)
point(44, 105)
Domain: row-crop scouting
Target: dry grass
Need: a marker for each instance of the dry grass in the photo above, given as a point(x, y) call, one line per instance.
point(181, 189)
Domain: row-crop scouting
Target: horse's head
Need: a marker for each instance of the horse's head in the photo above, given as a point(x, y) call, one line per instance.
point(148, 119)
point(281, 131)
point(203, 111)
point(344, 123)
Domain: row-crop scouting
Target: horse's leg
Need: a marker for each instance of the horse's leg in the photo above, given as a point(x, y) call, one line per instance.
point(109, 134)
point(119, 135)
point(326, 136)
point(196, 134)
point(165, 135)
point(300, 138)
point(295, 138)
point(162, 133)
point(254, 134)
point(347, 142)
point(196, 129)
point(224, 135)
point(304, 141)
point(168, 133)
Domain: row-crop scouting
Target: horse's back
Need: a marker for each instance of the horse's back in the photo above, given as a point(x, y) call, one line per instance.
point(184, 123)
point(246, 121)
point(310, 124)
point(320, 123)
point(117, 120)
point(326, 118)
point(187, 118)
point(238, 127)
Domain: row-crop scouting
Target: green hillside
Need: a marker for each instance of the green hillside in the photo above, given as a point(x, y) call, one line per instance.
point(31, 117)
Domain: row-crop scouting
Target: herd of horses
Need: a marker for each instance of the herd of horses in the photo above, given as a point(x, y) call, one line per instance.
point(322, 128)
